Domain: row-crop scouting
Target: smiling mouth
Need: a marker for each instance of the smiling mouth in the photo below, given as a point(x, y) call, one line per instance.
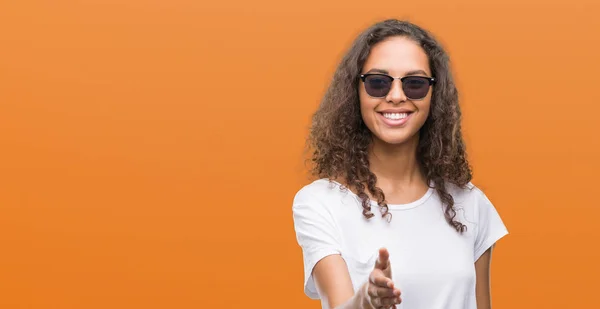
point(395, 116)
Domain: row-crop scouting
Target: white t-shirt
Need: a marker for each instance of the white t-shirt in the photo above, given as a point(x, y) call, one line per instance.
point(432, 264)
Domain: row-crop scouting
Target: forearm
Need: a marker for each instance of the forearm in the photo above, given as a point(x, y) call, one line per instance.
point(357, 301)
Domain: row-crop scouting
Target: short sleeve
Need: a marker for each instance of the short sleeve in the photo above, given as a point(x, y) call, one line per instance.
point(316, 234)
point(490, 227)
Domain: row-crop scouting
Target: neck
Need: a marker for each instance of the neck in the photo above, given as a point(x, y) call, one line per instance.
point(396, 165)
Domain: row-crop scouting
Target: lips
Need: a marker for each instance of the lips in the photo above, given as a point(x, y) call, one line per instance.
point(394, 118)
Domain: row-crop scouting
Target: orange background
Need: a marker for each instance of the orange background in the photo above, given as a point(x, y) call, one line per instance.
point(150, 150)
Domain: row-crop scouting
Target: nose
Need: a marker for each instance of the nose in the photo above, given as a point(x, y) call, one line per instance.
point(396, 94)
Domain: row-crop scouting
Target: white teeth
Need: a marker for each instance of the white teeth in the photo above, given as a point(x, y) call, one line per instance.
point(395, 116)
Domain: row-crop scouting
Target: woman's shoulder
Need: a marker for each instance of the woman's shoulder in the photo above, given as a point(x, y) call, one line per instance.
point(468, 189)
point(324, 195)
point(469, 196)
point(319, 189)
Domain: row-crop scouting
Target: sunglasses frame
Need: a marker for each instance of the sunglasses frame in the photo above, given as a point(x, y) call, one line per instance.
point(431, 81)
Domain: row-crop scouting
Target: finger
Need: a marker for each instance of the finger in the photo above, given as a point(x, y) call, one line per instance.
point(389, 301)
point(383, 260)
point(397, 292)
point(376, 302)
point(378, 278)
point(375, 291)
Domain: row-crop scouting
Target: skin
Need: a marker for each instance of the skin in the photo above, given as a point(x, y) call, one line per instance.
point(335, 286)
point(393, 159)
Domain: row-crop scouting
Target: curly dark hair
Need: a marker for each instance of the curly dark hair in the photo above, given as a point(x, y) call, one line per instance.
point(339, 139)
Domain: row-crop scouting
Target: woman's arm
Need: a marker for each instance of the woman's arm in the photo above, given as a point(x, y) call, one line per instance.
point(334, 285)
point(483, 289)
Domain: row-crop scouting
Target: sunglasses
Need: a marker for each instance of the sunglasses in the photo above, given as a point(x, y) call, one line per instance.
point(379, 85)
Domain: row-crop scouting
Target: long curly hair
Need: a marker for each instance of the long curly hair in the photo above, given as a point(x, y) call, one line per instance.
point(339, 139)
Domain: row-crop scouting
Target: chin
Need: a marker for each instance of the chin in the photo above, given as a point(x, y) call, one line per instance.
point(395, 140)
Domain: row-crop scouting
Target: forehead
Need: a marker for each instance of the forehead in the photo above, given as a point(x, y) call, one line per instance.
point(397, 55)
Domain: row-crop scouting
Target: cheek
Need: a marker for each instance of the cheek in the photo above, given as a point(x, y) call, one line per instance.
point(367, 107)
point(424, 108)
point(363, 99)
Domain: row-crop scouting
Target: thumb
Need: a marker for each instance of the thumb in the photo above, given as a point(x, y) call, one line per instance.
point(383, 261)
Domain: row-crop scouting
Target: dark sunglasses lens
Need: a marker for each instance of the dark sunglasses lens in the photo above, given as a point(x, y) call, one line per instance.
point(415, 87)
point(377, 85)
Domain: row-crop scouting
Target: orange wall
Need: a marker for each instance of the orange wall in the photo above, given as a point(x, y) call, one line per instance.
point(150, 150)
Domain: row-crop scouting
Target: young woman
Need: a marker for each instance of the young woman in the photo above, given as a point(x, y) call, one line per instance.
point(393, 218)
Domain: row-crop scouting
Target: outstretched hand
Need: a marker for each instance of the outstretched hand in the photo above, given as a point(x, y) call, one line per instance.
point(381, 292)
